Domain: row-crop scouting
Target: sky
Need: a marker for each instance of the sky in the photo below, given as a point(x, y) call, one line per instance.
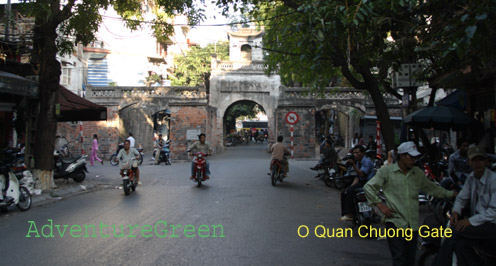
point(210, 34)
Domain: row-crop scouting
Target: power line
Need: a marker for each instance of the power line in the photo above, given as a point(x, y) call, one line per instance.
point(207, 25)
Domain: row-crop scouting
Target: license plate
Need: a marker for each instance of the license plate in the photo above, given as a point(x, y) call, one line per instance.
point(364, 207)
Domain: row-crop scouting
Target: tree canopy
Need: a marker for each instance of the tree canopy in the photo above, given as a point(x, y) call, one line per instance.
point(313, 41)
point(193, 68)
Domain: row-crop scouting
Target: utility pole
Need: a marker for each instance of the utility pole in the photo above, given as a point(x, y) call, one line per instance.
point(7, 22)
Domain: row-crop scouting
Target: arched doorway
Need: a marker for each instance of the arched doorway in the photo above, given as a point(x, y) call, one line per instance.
point(161, 124)
point(246, 52)
point(241, 119)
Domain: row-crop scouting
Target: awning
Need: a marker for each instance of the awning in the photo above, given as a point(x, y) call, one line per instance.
point(457, 99)
point(14, 84)
point(75, 108)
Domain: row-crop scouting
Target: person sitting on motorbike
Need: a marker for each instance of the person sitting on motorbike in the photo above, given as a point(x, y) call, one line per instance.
point(278, 151)
point(364, 167)
point(128, 153)
point(328, 156)
point(200, 146)
point(371, 145)
point(479, 229)
point(458, 166)
point(160, 146)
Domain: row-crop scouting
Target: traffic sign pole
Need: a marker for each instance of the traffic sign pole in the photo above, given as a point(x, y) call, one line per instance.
point(292, 154)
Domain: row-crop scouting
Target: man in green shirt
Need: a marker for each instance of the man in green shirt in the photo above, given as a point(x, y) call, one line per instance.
point(401, 183)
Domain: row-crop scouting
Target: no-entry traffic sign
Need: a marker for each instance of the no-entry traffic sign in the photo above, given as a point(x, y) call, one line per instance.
point(292, 118)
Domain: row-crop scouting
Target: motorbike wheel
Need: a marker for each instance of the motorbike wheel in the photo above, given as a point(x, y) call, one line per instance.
point(167, 161)
point(140, 159)
point(427, 258)
point(327, 181)
point(134, 185)
point(125, 186)
point(79, 176)
point(199, 178)
point(24, 199)
point(339, 183)
point(274, 175)
point(113, 161)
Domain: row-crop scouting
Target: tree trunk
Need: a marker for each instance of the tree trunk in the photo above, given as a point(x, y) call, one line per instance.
point(49, 78)
point(387, 127)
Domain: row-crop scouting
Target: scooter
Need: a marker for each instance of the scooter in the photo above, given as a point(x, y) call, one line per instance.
point(74, 168)
point(164, 154)
point(200, 166)
point(129, 182)
point(16, 194)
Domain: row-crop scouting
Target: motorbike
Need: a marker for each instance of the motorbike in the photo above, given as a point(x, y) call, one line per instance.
point(276, 173)
point(74, 168)
point(260, 138)
point(363, 213)
point(15, 194)
point(164, 154)
point(129, 182)
point(200, 166)
point(430, 246)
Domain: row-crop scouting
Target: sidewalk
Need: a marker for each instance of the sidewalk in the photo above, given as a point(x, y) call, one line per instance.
point(99, 177)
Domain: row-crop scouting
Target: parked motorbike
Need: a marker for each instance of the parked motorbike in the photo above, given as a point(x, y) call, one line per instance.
point(260, 138)
point(345, 180)
point(129, 180)
point(164, 154)
point(113, 160)
point(74, 168)
point(363, 213)
point(15, 193)
point(200, 166)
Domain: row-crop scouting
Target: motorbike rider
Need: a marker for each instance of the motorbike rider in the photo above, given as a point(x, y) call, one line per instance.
point(278, 151)
point(160, 146)
point(478, 230)
point(364, 168)
point(200, 146)
point(126, 154)
point(400, 183)
point(458, 166)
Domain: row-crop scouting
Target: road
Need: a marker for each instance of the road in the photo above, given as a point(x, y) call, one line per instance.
point(253, 222)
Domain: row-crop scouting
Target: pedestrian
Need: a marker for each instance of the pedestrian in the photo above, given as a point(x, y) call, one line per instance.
point(354, 141)
point(94, 150)
point(131, 140)
point(400, 183)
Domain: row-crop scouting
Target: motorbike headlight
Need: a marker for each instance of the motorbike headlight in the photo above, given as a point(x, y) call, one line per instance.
point(125, 172)
point(199, 155)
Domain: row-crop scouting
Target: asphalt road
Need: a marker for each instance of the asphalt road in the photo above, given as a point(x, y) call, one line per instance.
point(247, 221)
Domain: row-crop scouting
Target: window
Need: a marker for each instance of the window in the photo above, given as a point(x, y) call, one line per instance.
point(66, 75)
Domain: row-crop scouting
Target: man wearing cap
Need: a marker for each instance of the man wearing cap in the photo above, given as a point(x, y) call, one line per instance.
point(479, 229)
point(401, 183)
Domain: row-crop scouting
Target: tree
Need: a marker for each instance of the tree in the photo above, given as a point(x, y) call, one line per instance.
point(194, 68)
point(59, 25)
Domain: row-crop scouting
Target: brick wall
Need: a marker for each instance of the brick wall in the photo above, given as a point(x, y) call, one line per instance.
point(107, 131)
point(182, 119)
point(304, 131)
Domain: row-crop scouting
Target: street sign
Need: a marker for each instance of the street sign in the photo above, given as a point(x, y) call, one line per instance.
point(292, 118)
point(192, 134)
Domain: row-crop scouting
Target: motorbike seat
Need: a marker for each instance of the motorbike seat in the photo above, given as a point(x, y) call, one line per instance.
point(70, 160)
